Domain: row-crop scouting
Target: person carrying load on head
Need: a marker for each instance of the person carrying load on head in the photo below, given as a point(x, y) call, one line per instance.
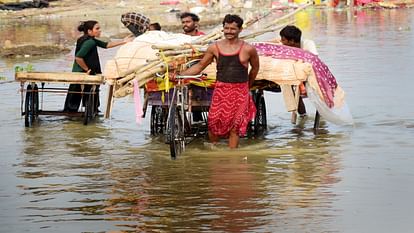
point(137, 23)
point(291, 36)
point(232, 106)
point(154, 27)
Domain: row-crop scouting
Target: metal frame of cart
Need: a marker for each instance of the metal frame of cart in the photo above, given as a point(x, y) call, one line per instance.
point(30, 106)
point(171, 113)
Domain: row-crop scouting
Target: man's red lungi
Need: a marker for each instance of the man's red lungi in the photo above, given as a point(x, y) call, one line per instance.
point(231, 107)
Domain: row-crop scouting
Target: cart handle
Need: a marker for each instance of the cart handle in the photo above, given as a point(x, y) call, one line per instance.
point(197, 76)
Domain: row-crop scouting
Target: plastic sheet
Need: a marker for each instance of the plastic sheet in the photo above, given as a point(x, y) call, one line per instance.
point(339, 114)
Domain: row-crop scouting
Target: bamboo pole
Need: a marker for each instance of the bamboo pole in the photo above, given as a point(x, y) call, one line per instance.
point(127, 90)
point(287, 15)
point(130, 71)
point(145, 74)
point(123, 91)
point(185, 53)
point(263, 31)
point(124, 80)
point(175, 47)
point(215, 37)
point(177, 59)
point(256, 19)
point(206, 37)
point(175, 52)
point(140, 68)
point(59, 77)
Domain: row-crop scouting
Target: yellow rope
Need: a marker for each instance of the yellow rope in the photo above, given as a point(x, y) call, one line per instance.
point(166, 75)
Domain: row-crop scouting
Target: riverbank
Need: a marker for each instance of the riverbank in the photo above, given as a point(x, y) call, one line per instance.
point(67, 8)
point(68, 11)
point(111, 10)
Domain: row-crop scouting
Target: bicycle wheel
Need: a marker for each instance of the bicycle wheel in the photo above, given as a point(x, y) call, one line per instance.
point(36, 101)
point(176, 133)
point(29, 107)
point(89, 109)
point(260, 121)
point(158, 118)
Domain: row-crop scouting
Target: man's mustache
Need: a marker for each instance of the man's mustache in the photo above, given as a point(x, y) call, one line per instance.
point(227, 34)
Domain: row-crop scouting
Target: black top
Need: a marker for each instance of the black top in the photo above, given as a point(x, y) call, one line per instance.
point(87, 48)
point(230, 69)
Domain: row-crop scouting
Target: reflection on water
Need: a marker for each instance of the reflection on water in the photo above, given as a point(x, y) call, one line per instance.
point(78, 179)
point(62, 176)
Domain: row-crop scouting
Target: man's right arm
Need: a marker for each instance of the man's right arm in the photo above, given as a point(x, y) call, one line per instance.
point(254, 64)
point(205, 61)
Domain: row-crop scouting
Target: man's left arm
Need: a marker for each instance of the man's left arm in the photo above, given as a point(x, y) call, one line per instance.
point(254, 65)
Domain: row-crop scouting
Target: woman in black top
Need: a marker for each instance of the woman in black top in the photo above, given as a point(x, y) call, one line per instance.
point(87, 60)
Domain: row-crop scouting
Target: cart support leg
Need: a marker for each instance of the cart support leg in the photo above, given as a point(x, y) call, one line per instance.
point(317, 120)
point(109, 101)
point(145, 106)
point(297, 95)
point(21, 97)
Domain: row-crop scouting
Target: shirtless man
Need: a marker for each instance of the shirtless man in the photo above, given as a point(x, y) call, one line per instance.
point(231, 106)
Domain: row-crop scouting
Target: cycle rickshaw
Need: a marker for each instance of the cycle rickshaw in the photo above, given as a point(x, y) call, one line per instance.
point(171, 115)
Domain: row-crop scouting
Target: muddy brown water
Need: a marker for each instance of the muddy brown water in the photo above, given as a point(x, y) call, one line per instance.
point(62, 176)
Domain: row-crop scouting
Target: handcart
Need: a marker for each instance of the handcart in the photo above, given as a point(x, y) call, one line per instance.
point(33, 83)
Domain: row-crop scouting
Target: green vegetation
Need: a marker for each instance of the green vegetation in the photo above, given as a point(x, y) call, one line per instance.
point(28, 68)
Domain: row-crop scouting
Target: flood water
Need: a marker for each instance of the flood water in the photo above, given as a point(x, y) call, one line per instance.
point(111, 175)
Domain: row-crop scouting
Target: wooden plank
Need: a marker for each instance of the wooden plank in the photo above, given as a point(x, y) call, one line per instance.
point(60, 113)
point(59, 77)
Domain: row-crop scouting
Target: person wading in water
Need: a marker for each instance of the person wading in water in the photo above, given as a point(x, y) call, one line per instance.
point(291, 35)
point(87, 61)
point(232, 106)
point(190, 23)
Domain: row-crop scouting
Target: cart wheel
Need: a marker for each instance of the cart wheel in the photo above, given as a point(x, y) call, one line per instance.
point(260, 121)
point(176, 133)
point(258, 125)
point(158, 118)
point(89, 109)
point(36, 101)
point(29, 107)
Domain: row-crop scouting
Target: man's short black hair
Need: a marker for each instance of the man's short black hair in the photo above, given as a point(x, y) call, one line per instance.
point(194, 17)
point(156, 26)
point(233, 19)
point(291, 32)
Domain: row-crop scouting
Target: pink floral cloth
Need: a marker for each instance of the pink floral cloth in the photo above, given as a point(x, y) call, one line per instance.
point(326, 80)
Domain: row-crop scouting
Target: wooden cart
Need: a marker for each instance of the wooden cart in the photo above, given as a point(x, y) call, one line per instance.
point(30, 90)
